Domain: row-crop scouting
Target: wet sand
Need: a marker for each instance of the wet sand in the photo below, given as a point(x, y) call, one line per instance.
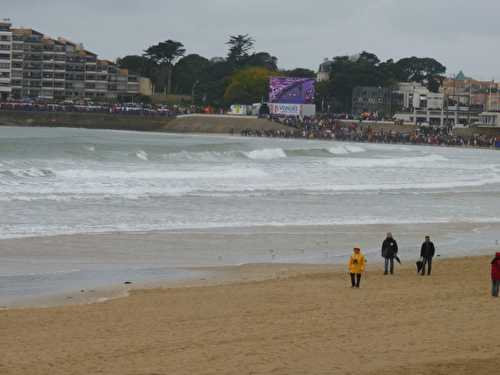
point(48, 271)
point(304, 320)
point(45, 271)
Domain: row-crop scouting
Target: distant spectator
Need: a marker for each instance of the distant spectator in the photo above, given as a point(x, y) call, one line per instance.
point(427, 253)
point(356, 267)
point(495, 275)
point(389, 252)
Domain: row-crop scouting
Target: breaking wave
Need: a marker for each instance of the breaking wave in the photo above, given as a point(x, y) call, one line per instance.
point(415, 162)
point(143, 155)
point(266, 154)
point(344, 150)
point(26, 173)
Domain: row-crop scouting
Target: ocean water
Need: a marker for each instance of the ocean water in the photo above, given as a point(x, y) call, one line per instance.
point(58, 181)
point(66, 181)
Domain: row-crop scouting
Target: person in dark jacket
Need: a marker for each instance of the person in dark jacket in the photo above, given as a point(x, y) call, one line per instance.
point(427, 253)
point(495, 275)
point(389, 252)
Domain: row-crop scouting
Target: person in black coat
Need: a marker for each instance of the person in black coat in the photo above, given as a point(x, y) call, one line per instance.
point(427, 253)
point(389, 252)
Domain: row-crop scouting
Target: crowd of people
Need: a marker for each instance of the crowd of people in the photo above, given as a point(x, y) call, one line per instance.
point(389, 252)
point(90, 107)
point(340, 127)
point(335, 128)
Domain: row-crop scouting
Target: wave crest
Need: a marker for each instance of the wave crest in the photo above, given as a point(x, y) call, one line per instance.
point(266, 154)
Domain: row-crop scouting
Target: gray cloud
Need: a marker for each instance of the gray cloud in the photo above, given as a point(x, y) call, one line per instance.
point(461, 34)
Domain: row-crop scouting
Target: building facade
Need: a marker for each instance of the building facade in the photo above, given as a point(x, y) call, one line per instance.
point(33, 65)
point(369, 99)
point(468, 91)
point(411, 102)
point(489, 119)
point(324, 71)
point(5, 59)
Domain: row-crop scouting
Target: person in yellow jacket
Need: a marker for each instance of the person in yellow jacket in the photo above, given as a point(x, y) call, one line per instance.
point(356, 266)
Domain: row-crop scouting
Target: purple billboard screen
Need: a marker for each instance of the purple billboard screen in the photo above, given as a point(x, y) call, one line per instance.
point(290, 90)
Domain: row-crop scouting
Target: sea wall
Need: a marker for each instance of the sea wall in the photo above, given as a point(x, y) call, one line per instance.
point(195, 123)
point(83, 120)
point(220, 124)
point(469, 132)
point(381, 125)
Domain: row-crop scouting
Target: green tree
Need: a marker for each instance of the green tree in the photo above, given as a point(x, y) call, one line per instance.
point(239, 46)
point(163, 55)
point(366, 69)
point(300, 73)
point(189, 72)
point(248, 86)
point(426, 70)
point(137, 64)
point(349, 72)
point(261, 59)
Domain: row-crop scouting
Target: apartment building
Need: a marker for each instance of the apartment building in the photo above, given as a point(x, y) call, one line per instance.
point(33, 65)
point(5, 59)
point(373, 100)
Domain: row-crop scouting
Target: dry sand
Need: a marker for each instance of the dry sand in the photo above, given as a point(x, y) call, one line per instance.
point(304, 321)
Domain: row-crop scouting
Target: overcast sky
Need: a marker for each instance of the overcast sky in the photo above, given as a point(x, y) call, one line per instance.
point(461, 34)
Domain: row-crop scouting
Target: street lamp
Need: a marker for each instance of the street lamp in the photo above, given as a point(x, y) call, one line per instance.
point(192, 90)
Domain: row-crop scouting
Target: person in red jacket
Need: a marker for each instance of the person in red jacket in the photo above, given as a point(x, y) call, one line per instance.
point(495, 275)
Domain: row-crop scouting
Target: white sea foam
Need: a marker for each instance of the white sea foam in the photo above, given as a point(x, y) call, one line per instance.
point(204, 156)
point(143, 155)
point(415, 162)
point(26, 173)
point(354, 149)
point(346, 149)
point(266, 154)
point(210, 173)
point(338, 150)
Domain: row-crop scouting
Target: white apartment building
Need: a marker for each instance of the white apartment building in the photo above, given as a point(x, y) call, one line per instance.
point(33, 65)
point(5, 59)
point(420, 106)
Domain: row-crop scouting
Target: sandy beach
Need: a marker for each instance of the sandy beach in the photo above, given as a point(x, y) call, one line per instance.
point(301, 320)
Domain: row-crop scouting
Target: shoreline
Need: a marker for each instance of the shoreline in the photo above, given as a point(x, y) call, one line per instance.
point(194, 257)
point(195, 124)
point(298, 322)
point(211, 277)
